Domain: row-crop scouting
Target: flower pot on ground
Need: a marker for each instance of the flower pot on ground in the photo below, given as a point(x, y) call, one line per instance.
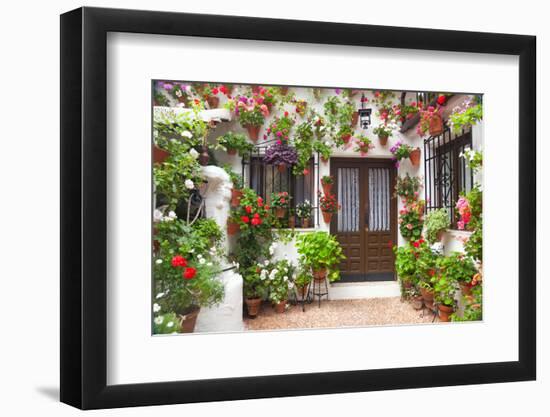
point(189, 320)
point(291, 221)
point(445, 312)
point(232, 227)
point(280, 307)
point(460, 269)
point(427, 297)
point(306, 223)
point(414, 156)
point(320, 252)
point(213, 102)
point(236, 197)
point(301, 282)
point(253, 132)
point(417, 301)
point(253, 306)
point(159, 155)
point(465, 289)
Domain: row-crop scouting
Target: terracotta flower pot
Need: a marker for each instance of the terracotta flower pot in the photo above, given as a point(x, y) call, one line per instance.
point(159, 155)
point(284, 91)
point(253, 132)
point(280, 307)
point(327, 188)
point(213, 102)
point(327, 216)
point(189, 320)
point(253, 306)
point(417, 302)
point(445, 312)
point(407, 285)
point(281, 168)
point(305, 223)
point(231, 151)
point(414, 156)
point(436, 125)
point(383, 140)
point(346, 138)
point(291, 222)
point(320, 274)
point(325, 160)
point(355, 118)
point(280, 212)
point(302, 292)
point(232, 228)
point(428, 297)
point(184, 99)
point(255, 89)
point(236, 197)
point(465, 288)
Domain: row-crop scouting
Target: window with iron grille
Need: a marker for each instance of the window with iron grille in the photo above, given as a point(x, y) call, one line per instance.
point(446, 173)
point(267, 179)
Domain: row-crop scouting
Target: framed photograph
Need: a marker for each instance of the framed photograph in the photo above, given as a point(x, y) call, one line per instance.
point(260, 208)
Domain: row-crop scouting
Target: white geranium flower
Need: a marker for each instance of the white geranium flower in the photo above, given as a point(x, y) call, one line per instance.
point(266, 262)
point(160, 295)
point(187, 134)
point(209, 264)
point(202, 261)
point(191, 251)
point(189, 184)
point(158, 320)
point(172, 214)
point(156, 308)
point(285, 278)
point(158, 261)
point(178, 93)
point(157, 215)
point(194, 153)
point(199, 255)
point(170, 324)
point(327, 143)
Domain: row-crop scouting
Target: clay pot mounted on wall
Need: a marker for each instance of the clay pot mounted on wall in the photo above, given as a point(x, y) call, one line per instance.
point(232, 228)
point(253, 132)
point(436, 125)
point(414, 156)
point(236, 197)
point(159, 155)
point(327, 216)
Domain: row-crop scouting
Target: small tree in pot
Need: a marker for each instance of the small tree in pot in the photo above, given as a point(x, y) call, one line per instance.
point(322, 253)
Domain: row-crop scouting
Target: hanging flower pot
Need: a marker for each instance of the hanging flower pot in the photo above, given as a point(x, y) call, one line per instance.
point(281, 168)
point(346, 137)
point(280, 212)
point(325, 160)
point(213, 102)
point(284, 91)
point(383, 139)
point(189, 320)
point(253, 306)
point(436, 124)
point(231, 151)
point(159, 155)
point(232, 227)
point(280, 307)
point(326, 188)
point(253, 132)
point(445, 312)
point(414, 156)
point(355, 118)
point(327, 216)
point(320, 274)
point(236, 197)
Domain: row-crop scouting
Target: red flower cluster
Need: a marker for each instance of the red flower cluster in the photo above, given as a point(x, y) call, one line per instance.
point(441, 100)
point(179, 261)
point(419, 242)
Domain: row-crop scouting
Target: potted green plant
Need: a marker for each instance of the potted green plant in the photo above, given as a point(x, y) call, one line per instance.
point(281, 127)
point(444, 294)
point(237, 181)
point(430, 121)
point(210, 93)
point(402, 150)
point(279, 281)
point(303, 212)
point(405, 265)
point(426, 268)
point(321, 252)
point(329, 206)
point(232, 143)
point(280, 202)
point(302, 280)
point(408, 188)
point(436, 222)
point(411, 220)
point(383, 132)
point(250, 112)
point(364, 145)
point(326, 183)
point(254, 289)
point(344, 134)
point(460, 269)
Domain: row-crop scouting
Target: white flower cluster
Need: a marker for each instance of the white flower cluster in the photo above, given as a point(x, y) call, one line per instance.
point(158, 216)
point(189, 184)
point(202, 260)
point(194, 153)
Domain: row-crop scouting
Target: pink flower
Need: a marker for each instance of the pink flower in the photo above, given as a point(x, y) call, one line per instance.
point(460, 224)
point(409, 226)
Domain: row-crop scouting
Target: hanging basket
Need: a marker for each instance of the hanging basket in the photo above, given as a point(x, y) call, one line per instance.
point(436, 125)
point(253, 132)
point(414, 156)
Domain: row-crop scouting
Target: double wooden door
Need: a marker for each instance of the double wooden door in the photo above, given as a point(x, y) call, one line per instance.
point(366, 224)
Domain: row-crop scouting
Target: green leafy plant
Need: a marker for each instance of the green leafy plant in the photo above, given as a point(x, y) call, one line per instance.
point(426, 263)
point(474, 159)
point(411, 220)
point(324, 149)
point(320, 250)
point(235, 141)
point(303, 276)
point(363, 144)
point(345, 113)
point(436, 221)
point(280, 200)
point(444, 289)
point(327, 179)
point(408, 187)
point(236, 178)
point(304, 144)
point(383, 131)
point(405, 262)
point(457, 268)
point(280, 128)
point(467, 114)
point(253, 284)
point(401, 150)
point(280, 280)
point(473, 310)
point(474, 244)
point(167, 323)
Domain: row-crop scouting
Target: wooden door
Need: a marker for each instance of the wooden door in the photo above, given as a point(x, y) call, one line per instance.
point(366, 225)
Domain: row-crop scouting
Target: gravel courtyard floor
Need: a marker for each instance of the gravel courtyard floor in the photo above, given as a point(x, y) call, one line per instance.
point(340, 313)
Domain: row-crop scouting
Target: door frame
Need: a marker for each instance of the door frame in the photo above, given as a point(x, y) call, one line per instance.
point(363, 163)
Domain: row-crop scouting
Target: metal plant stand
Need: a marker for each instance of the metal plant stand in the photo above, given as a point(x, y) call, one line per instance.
point(303, 300)
point(317, 291)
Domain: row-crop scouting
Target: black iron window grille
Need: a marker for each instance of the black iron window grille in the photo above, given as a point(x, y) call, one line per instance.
point(267, 179)
point(446, 174)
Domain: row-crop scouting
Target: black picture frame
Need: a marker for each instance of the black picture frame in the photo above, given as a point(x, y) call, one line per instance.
point(84, 207)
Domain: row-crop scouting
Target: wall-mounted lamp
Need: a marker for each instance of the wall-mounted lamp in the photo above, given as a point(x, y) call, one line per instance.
point(364, 114)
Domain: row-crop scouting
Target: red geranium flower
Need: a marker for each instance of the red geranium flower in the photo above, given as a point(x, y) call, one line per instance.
point(245, 219)
point(189, 273)
point(248, 209)
point(306, 171)
point(441, 100)
point(215, 91)
point(256, 221)
point(223, 89)
point(256, 215)
point(286, 114)
point(179, 261)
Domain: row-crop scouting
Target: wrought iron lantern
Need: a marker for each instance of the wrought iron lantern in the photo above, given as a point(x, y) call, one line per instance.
point(364, 114)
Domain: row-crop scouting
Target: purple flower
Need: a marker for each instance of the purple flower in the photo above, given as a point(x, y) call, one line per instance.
point(280, 154)
point(337, 90)
point(167, 86)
